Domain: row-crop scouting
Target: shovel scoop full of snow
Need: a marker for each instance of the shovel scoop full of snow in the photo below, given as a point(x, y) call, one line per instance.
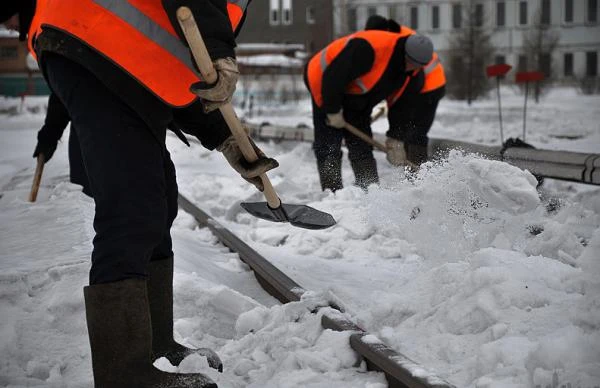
point(302, 216)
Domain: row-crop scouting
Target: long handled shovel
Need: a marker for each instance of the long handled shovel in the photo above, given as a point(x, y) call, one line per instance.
point(37, 178)
point(364, 137)
point(273, 210)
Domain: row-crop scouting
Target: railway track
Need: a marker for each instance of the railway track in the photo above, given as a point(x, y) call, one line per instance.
point(400, 370)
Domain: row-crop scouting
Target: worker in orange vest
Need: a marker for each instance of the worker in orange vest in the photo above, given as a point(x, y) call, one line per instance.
point(346, 80)
point(411, 111)
point(412, 107)
point(124, 72)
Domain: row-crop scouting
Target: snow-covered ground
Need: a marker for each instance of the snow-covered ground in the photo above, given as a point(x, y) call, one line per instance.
point(464, 268)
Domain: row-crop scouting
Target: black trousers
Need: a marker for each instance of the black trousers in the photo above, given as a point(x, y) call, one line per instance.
point(411, 116)
point(130, 174)
point(328, 151)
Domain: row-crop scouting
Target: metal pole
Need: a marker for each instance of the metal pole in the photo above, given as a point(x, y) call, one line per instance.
point(499, 110)
point(525, 108)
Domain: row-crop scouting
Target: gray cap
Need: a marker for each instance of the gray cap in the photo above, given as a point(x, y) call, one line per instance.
point(419, 49)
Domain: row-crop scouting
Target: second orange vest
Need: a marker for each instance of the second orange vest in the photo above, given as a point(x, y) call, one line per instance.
point(383, 44)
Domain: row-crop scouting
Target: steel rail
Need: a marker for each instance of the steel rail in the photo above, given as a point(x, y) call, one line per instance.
point(400, 371)
point(577, 167)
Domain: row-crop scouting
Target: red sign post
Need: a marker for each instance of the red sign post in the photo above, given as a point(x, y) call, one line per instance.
point(526, 77)
point(498, 71)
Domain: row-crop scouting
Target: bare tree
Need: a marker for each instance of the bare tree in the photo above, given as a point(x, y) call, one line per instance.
point(539, 43)
point(471, 51)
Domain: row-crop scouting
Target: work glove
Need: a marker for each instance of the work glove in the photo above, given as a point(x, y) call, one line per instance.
point(250, 171)
point(336, 120)
point(396, 154)
point(46, 144)
point(219, 93)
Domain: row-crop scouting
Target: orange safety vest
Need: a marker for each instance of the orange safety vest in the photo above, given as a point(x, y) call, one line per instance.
point(383, 44)
point(434, 79)
point(134, 34)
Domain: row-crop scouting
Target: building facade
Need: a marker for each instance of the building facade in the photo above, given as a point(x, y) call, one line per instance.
point(306, 22)
point(575, 23)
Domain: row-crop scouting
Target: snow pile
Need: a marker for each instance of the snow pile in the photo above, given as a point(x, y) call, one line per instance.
point(464, 267)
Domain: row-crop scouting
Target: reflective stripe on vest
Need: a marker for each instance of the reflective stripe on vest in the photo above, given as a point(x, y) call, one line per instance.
point(434, 79)
point(135, 34)
point(434, 75)
point(383, 44)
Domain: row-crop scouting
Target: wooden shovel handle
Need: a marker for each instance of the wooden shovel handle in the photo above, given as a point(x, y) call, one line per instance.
point(364, 137)
point(37, 178)
point(196, 43)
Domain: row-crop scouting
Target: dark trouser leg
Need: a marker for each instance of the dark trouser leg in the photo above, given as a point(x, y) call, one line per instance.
point(125, 164)
point(361, 159)
point(328, 151)
point(160, 287)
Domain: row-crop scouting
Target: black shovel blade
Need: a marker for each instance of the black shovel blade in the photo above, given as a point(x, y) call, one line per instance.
point(301, 216)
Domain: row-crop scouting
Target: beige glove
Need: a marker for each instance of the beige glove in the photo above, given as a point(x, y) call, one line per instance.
point(219, 93)
point(396, 154)
point(249, 171)
point(336, 120)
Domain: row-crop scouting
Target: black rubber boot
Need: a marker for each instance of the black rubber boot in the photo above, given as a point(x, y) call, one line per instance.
point(365, 172)
point(118, 321)
point(160, 297)
point(330, 172)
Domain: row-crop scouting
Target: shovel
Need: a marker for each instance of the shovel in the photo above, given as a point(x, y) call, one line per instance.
point(37, 178)
point(273, 210)
point(364, 137)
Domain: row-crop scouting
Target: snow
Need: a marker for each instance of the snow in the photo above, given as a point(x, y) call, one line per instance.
point(464, 268)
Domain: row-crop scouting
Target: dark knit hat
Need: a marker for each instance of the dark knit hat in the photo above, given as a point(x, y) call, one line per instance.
point(419, 49)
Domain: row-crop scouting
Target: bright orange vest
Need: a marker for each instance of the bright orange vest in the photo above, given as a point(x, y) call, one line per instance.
point(134, 34)
point(383, 44)
point(434, 79)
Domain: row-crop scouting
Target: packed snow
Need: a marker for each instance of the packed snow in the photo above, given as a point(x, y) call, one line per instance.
point(464, 267)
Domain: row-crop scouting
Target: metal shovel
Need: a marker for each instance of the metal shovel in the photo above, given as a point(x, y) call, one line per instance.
point(273, 210)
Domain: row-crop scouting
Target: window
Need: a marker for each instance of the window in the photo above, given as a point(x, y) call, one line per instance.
point(545, 64)
point(478, 15)
point(592, 11)
point(352, 19)
point(371, 11)
point(9, 52)
point(456, 16)
point(435, 17)
point(286, 15)
point(591, 64)
point(568, 64)
point(545, 18)
point(274, 12)
point(499, 60)
point(310, 15)
point(395, 12)
point(522, 63)
point(522, 13)
point(414, 18)
point(568, 11)
point(500, 14)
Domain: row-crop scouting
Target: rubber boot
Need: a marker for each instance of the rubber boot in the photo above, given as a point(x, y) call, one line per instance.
point(118, 321)
point(330, 172)
point(160, 297)
point(365, 172)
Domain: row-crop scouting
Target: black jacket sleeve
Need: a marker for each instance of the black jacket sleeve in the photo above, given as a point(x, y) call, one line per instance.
point(210, 128)
point(57, 119)
point(213, 22)
point(353, 61)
